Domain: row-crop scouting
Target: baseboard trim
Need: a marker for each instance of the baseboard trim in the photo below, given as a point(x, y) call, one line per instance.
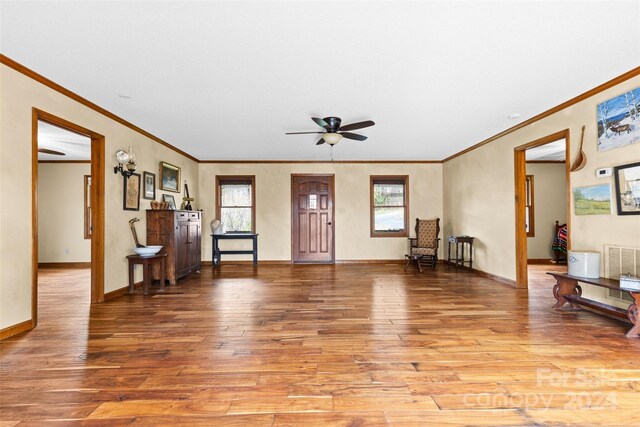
point(369, 261)
point(10, 331)
point(287, 262)
point(64, 265)
point(539, 261)
point(495, 277)
point(245, 262)
point(121, 291)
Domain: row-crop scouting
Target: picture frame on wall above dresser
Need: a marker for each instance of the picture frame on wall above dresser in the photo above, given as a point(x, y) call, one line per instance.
point(627, 179)
point(149, 182)
point(169, 177)
point(131, 193)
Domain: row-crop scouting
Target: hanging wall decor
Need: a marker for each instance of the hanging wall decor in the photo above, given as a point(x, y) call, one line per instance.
point(593, 200)
point(619, 120)
point(628, 188)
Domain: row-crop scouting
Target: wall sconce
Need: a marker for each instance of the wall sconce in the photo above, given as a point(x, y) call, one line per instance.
point(127, 159)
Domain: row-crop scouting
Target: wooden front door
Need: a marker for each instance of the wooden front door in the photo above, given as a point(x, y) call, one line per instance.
point(312, 208)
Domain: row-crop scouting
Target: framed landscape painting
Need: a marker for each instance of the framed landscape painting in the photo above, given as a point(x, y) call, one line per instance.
point(619, 120)
point(628, 188)
point(593, 200)
point(169, 177)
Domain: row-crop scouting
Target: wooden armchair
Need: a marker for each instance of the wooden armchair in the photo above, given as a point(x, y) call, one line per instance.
point(423, 249)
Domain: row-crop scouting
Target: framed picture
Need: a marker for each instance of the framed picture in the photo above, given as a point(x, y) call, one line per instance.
point(628, 188)
point(169, 177)
point(149, 180)
point(169, 198)
point(131, 193)
point(593, 200)
point(617, 124)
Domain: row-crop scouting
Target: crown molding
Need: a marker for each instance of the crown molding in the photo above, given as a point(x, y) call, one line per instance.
point(588, 94)
point(58, 88)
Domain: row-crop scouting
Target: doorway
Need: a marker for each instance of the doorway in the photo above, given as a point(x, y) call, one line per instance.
point(56, 137)
point(312, 210)
point(542, 197)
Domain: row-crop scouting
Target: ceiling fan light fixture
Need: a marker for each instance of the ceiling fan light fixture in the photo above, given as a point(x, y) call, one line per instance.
point(331, 138)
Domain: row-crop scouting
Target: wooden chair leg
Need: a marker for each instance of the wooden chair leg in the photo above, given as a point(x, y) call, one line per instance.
point(419, 265)
point(406, 264)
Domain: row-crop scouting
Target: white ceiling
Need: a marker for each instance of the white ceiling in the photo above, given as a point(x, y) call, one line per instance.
point(554, 151)
point(73, 145)
point(226, 80)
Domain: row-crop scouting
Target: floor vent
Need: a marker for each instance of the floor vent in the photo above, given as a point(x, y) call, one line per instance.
point(621, 260)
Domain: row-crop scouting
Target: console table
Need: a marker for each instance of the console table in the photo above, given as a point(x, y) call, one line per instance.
point(216, 252)
point(459, 242)
point(568, 291)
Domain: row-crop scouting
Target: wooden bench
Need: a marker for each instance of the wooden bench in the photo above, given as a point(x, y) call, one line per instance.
point(568, 291)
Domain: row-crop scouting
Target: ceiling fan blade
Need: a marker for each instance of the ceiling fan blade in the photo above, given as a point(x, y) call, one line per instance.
point(320, 141)
point(299, 133)
point(48, 151)
point(359, 125)
point(320, 122)
point(355, 136)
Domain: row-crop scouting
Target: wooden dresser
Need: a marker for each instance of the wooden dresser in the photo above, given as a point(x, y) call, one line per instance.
point(179, 232)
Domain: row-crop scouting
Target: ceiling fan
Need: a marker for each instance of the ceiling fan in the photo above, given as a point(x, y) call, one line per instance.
point(49, 151)
point(333, 132)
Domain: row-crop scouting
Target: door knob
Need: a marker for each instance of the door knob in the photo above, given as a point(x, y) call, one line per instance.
point(329, 223)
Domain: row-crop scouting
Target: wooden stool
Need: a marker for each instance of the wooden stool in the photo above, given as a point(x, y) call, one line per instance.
point(147, 263)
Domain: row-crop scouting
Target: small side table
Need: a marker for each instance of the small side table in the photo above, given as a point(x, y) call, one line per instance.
point(147, 263)
point(459, 242)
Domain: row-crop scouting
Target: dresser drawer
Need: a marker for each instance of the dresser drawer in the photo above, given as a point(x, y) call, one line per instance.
point(194, 215)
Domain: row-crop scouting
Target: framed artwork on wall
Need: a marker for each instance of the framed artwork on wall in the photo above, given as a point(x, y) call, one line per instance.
point(619, 120)
point(169, 198)
point(169, 177)
point(627, 179)
point(149, 180)
point(593, 200)
point(131, 193)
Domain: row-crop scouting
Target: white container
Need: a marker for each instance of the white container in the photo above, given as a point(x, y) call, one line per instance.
point(584, 264)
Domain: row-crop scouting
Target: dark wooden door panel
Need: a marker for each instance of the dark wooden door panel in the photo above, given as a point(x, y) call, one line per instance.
point(312, 228)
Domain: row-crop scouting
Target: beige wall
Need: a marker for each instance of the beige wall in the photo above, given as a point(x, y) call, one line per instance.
point(479, 188)
point(352, 239)
point(61, 213)
point(550, 205)
point(19, 95)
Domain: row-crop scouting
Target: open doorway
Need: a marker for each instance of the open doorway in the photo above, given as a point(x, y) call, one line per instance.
point(546, 211)
point(68, 215)
point(64, 221)
point(542, 208)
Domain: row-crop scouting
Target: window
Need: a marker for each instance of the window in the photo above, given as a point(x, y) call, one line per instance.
point(389, 206)
point(529, 214)
point(88, 228)
point(235, 203)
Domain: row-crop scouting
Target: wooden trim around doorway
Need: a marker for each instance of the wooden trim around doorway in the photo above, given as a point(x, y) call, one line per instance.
point(97, 203)
point(333, 214)
point(520, 170)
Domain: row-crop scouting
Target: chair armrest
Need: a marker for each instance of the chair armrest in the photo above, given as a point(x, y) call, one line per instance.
point(413, 242)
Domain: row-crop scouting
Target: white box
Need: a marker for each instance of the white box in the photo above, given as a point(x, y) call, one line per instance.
point(584, 264)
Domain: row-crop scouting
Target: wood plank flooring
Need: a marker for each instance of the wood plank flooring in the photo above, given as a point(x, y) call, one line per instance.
point(344, 345)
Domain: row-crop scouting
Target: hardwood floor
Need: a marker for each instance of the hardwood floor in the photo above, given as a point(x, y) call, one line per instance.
point(343, 345)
